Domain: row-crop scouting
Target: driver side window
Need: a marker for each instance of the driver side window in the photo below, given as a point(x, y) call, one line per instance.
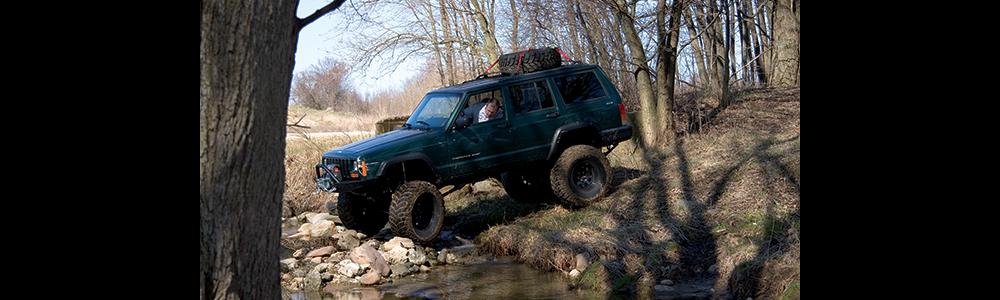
point(483, 107)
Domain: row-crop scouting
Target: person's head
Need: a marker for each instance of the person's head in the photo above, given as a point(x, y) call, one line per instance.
point(492, 105)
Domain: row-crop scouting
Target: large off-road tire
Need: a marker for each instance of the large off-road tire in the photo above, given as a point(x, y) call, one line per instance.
point(533, 60)
point(417, 211)
point(581, 176)
point(527, 186)
point(361, 213)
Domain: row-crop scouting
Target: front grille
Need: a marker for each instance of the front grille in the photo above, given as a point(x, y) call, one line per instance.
point(345, 166)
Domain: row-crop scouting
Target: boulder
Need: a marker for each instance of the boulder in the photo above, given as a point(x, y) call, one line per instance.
point(397, 242)
point(372, 277)
point(366, 255)
point(322, 228)
point(396, 255)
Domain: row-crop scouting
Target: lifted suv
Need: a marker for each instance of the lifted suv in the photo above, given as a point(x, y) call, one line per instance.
point(540, 133)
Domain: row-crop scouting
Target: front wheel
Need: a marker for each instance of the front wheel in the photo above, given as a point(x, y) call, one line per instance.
point(580, 176)
point(417, 211)
point(360, 213)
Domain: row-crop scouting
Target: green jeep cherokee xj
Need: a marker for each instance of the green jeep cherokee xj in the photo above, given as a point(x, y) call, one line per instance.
point(538, 127)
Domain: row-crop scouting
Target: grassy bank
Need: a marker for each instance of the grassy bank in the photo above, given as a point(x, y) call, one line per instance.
point(720, 206)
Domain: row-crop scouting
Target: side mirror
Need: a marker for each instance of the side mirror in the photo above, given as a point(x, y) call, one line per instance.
point(462, 122)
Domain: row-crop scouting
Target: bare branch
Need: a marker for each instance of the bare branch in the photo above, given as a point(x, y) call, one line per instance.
point(319, 13)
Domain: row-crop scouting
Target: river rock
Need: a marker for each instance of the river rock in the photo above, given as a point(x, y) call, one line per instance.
point(416, 257)
point(322, 228)
point(366, 255)
point(299, 253)
point(400, 269)
point(347, 241)
point(348, 268)
point(397, 242)
point(396, 255)
point(370, 278)
point(288, 264)
point(312, 282)
point(324, 251)
point(667, 282)
point(320, 216)
point(425, 269)
point(574, 273)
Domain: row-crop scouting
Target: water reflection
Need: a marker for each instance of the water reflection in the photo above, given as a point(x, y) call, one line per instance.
point(498, 279)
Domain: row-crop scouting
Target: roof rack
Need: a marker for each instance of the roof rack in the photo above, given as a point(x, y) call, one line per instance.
point(487, 74)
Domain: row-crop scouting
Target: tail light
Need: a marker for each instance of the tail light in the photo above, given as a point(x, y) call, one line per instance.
point(621, 109)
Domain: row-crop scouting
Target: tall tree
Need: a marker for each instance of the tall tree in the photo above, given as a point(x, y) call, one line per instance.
point(624, 15)
point(448, 49)
point(247, 54)
point(484, 17)
point(514, 15)
point(786, 43)
point(666, 65)
point(756, 39)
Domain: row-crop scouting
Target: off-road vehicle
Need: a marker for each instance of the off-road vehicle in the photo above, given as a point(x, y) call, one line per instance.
point(538, 126)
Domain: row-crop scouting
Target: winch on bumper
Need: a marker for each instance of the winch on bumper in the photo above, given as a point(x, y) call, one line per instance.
point(342, 175)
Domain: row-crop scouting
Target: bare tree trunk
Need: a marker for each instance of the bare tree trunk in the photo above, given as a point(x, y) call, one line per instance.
point(571, 25)
point(436, 42)
point(750, 69)
point(786, 43)
point(666, 66)
point(513, 32)
point(730, 39)
point(589, 35)
point(485, 25)
point(647, 114)
point(449, 53)
point(696, 47)
point(720, 59)
point(758, 54)
point(247, 54)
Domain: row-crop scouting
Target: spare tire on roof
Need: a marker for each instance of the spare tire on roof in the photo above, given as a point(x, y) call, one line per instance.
point(534, 60)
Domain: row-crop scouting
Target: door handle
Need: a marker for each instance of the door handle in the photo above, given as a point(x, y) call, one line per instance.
point(503, 125)
point(552, 114)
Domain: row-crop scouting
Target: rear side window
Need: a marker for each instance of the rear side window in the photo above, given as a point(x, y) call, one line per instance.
point(530, 97)
point(578, 88)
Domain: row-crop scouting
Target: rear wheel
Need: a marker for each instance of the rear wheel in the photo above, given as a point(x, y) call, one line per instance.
point(580, 176)
point(361, 213)
point(417, 211)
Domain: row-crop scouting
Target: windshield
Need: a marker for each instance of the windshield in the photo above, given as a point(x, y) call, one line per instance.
point(434, 110)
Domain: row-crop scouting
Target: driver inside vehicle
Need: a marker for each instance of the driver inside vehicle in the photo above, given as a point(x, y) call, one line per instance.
point(490, 110)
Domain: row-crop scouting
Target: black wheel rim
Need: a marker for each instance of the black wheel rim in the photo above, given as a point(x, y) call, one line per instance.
point(423, 212)
point(586, 177)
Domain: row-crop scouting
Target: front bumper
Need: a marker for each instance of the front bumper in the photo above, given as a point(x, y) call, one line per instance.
point(327, 180)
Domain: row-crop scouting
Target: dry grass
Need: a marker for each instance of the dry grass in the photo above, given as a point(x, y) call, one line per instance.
point(727, 196)
point(329, 120)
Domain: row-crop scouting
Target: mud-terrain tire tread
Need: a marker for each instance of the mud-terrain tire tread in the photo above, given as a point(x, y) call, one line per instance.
point(403, 201)
point(560, 177)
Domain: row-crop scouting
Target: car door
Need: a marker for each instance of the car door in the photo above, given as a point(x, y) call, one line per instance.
point(478, 147)
point(534, 119)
